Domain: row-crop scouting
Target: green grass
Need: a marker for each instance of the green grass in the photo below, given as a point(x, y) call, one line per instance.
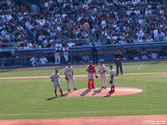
point(27, 98)
point(128, 68)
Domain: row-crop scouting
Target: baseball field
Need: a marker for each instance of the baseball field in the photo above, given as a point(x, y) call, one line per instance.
point(24, 93)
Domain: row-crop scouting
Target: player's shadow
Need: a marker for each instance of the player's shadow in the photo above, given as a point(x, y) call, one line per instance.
point(97, 91)
point(109, 94)
point(56, 97)
point(51, 98)
point(85, 92)
point(67, 93)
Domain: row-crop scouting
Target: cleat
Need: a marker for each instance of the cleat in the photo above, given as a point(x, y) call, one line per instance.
point(75, 89)
point(102, 87)
point(69, 90)
point(62, 95)
point(110, 92)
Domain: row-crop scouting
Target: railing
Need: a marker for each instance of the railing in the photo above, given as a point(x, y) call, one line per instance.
point(129, 45)
point(21, 57)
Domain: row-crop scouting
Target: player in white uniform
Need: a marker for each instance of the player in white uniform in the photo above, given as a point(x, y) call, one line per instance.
point(65, 53)
point(33, 61)
point(102, 72)
point(43, 60)
point(56, 82)
point(57, 55)
point(69, 72)
point(112, 80)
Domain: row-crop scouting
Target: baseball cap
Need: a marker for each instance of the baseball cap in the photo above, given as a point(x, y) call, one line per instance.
point(56, 70)
point(69, 63)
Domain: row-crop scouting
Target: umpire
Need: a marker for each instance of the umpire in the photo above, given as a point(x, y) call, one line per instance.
point(118, 61)
point(94, 54)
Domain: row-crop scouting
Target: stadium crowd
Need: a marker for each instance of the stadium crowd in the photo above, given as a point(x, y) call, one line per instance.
point(58, 23)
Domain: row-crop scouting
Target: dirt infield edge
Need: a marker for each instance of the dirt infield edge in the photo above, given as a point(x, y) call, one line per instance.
point(103, 120)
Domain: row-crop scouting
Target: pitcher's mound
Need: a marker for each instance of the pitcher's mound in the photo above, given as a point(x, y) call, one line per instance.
point(103, 92)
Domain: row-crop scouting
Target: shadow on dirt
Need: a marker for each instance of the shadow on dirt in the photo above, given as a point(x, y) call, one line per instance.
point(85, 92)
point(97, 91)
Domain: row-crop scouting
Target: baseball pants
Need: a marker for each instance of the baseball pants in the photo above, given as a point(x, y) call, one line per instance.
point(103, 79)
point(68, 82)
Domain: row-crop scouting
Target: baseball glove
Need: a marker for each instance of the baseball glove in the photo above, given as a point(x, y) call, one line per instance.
point(66, 78)
point(96, 76)
point(111, 81)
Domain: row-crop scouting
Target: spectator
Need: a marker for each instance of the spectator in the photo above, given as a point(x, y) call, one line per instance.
point(154, 55)
point(43, 60)
point(85, 58)
point(120, 21)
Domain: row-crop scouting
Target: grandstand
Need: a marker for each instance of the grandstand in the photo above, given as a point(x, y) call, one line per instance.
point(47, 24)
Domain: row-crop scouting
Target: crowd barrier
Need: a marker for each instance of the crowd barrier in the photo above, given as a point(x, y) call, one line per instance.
point(21, 57)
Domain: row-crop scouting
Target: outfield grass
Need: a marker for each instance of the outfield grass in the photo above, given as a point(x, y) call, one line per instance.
point(27, 98)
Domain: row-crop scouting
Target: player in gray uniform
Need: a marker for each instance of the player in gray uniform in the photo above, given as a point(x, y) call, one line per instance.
point(69, 72)
point(56, 82)
point(112, 80)
point(102, 72)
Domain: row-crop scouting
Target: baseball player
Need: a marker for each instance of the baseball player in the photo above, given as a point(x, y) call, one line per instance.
point(57, 55)
point(91, 71)
point(65, 53)
point(33, 61)
point(69, 73)
point(112, 80)
point(56, 82)
point(43, 60)
point(102, 72)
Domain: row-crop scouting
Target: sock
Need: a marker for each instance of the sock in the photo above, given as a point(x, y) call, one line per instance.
point(55, 92)
point(113, 87)
point(92, 83)
point(89, 83)
point(61, 92)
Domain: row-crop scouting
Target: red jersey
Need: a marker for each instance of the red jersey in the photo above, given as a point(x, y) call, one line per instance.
point(91, 69)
